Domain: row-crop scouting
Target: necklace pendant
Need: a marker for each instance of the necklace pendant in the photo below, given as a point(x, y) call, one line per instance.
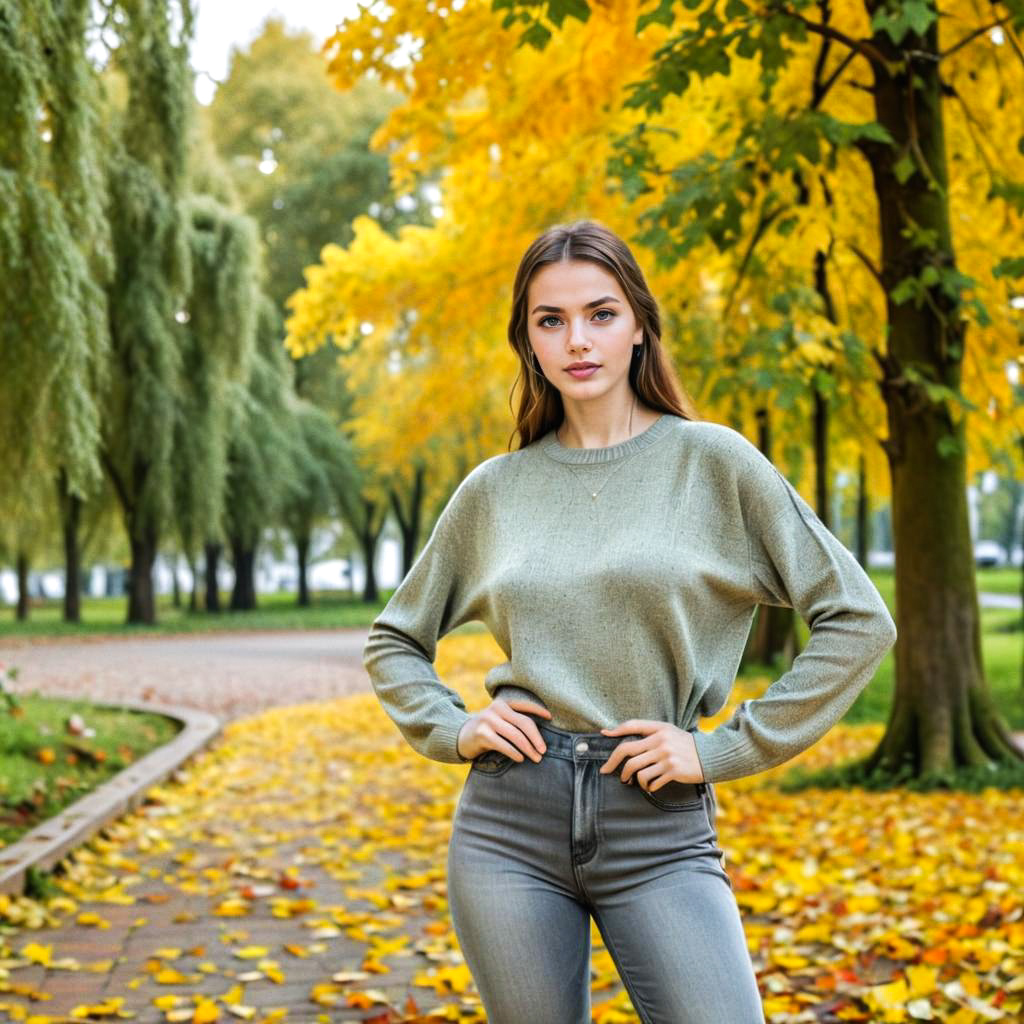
point(593, 495)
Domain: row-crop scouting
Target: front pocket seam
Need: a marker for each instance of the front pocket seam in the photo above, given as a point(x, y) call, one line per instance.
point(653, 799)
point(499, 770)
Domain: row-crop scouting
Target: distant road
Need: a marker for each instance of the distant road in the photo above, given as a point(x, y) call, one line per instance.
point(999, 600)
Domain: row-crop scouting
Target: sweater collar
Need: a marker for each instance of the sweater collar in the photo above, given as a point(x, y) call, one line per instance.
point(554, 448)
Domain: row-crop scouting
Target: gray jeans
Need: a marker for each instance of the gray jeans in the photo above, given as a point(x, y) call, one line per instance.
point(538, 848)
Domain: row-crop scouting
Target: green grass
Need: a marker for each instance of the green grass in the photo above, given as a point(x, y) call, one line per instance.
point(1000, 581)
point(30, 789)
point(1002, 638)
point(106, 615)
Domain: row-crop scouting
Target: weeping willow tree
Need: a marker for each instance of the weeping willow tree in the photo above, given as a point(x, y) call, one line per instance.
point(264, 453)
point(219, 339)
point(55, 259)
point(148, 181)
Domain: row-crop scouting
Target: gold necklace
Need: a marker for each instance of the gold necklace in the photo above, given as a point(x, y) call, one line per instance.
point(594, 494)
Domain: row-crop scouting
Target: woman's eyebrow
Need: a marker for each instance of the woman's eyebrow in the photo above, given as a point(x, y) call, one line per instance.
point(590, 305)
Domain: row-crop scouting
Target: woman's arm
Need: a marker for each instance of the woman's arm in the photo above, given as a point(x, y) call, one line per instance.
point(796, 562)
point(436, 595)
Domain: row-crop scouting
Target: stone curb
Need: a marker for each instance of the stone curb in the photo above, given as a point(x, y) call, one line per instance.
point(51, 840)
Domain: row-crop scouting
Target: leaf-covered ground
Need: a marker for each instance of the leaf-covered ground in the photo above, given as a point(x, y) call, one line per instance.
point(296, 871)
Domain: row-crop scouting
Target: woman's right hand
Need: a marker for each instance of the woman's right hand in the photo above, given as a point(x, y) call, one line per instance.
point(500, 726)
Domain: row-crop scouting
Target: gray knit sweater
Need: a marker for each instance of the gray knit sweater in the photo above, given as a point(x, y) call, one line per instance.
point(636, 603)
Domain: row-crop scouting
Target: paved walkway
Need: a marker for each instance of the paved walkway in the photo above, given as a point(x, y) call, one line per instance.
point(284, 873)
point(189, 884)
point(227, 674)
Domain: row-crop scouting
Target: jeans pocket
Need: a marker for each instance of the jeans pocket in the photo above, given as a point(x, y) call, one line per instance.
point(491, 762)
point(676, 796)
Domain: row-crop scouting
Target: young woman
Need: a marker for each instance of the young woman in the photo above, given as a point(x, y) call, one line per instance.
point(617, 557)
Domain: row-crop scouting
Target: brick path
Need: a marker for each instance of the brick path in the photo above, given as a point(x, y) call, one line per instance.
point(229, 675)
point(233, 676)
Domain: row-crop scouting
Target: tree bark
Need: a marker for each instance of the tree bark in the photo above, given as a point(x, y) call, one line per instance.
point(212, 554)
point(302, 557)
point(21, 610)
point(193, 596)
point(243, 593)
point(70, 515)
point(141, 597)
point(942, 715)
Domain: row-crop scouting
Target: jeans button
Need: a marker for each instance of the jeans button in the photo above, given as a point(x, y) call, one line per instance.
point(582, 746)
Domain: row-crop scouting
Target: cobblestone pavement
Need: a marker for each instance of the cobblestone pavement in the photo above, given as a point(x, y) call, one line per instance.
point(231, 675)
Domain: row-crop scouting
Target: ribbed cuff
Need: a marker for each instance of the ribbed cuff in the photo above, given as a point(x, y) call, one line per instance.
point(721, 758)
point(444, 738)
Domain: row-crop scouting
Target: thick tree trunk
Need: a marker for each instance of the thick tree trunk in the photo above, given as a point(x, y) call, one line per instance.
point(70, 515)
point(302, 556)
point(942, 715)
point(21, 611)
point(212, 560)
point(243, 593)
point(141, 598)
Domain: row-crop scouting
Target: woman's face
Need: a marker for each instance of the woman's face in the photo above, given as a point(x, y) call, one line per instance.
point(577, 312)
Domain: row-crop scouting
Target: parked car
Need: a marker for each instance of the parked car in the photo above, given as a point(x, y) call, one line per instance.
point(988, 554)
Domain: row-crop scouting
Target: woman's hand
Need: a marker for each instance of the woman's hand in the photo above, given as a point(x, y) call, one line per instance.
point(666, 753)
point(500, 726)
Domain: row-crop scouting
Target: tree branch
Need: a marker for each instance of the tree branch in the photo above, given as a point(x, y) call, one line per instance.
point(861, 46)
point(970, 37)
point(867, 261)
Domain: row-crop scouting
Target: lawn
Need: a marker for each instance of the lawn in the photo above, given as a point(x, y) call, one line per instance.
point(49, 758)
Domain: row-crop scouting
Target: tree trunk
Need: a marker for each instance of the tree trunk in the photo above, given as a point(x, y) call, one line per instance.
point(302, 556)
point(942, 715)
point(193, 596)
point(175, 585)
point(243, 593)
point(821, 472)
point(70, 515)
point(141, 598)
point(21, 611)
point(212, 552)
point(863, 511)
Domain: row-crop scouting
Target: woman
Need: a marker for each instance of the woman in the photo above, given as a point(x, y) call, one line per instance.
point(618, 557)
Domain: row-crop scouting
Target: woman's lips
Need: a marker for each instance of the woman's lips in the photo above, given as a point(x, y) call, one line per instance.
point(585, 372)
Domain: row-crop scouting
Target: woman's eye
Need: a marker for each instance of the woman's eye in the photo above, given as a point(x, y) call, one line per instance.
point(543, 322)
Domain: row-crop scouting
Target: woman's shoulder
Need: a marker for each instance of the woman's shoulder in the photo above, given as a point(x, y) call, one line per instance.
point(716, 439)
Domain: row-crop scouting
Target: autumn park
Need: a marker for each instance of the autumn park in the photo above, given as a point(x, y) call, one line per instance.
point(254, 335)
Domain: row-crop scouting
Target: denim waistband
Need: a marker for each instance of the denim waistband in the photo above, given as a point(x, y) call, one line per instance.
point(582, 746)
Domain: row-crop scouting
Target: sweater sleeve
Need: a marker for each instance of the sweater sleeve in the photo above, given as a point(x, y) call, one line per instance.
point(796, 562)
point(436, 595)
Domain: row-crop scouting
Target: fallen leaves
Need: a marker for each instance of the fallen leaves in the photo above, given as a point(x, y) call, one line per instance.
point(306, 851)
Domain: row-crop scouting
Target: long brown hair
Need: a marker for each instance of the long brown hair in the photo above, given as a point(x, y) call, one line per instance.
point(651, 374)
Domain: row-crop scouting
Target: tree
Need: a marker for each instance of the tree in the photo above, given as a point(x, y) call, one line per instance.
point(786, 199)
point(149, 180)
point(218, 341)
point(55, 258)
point(263, 452)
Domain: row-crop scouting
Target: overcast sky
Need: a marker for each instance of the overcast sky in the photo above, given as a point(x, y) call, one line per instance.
point(221, 25)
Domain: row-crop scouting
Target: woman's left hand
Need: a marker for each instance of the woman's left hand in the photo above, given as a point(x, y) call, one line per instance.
point(665, 752)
